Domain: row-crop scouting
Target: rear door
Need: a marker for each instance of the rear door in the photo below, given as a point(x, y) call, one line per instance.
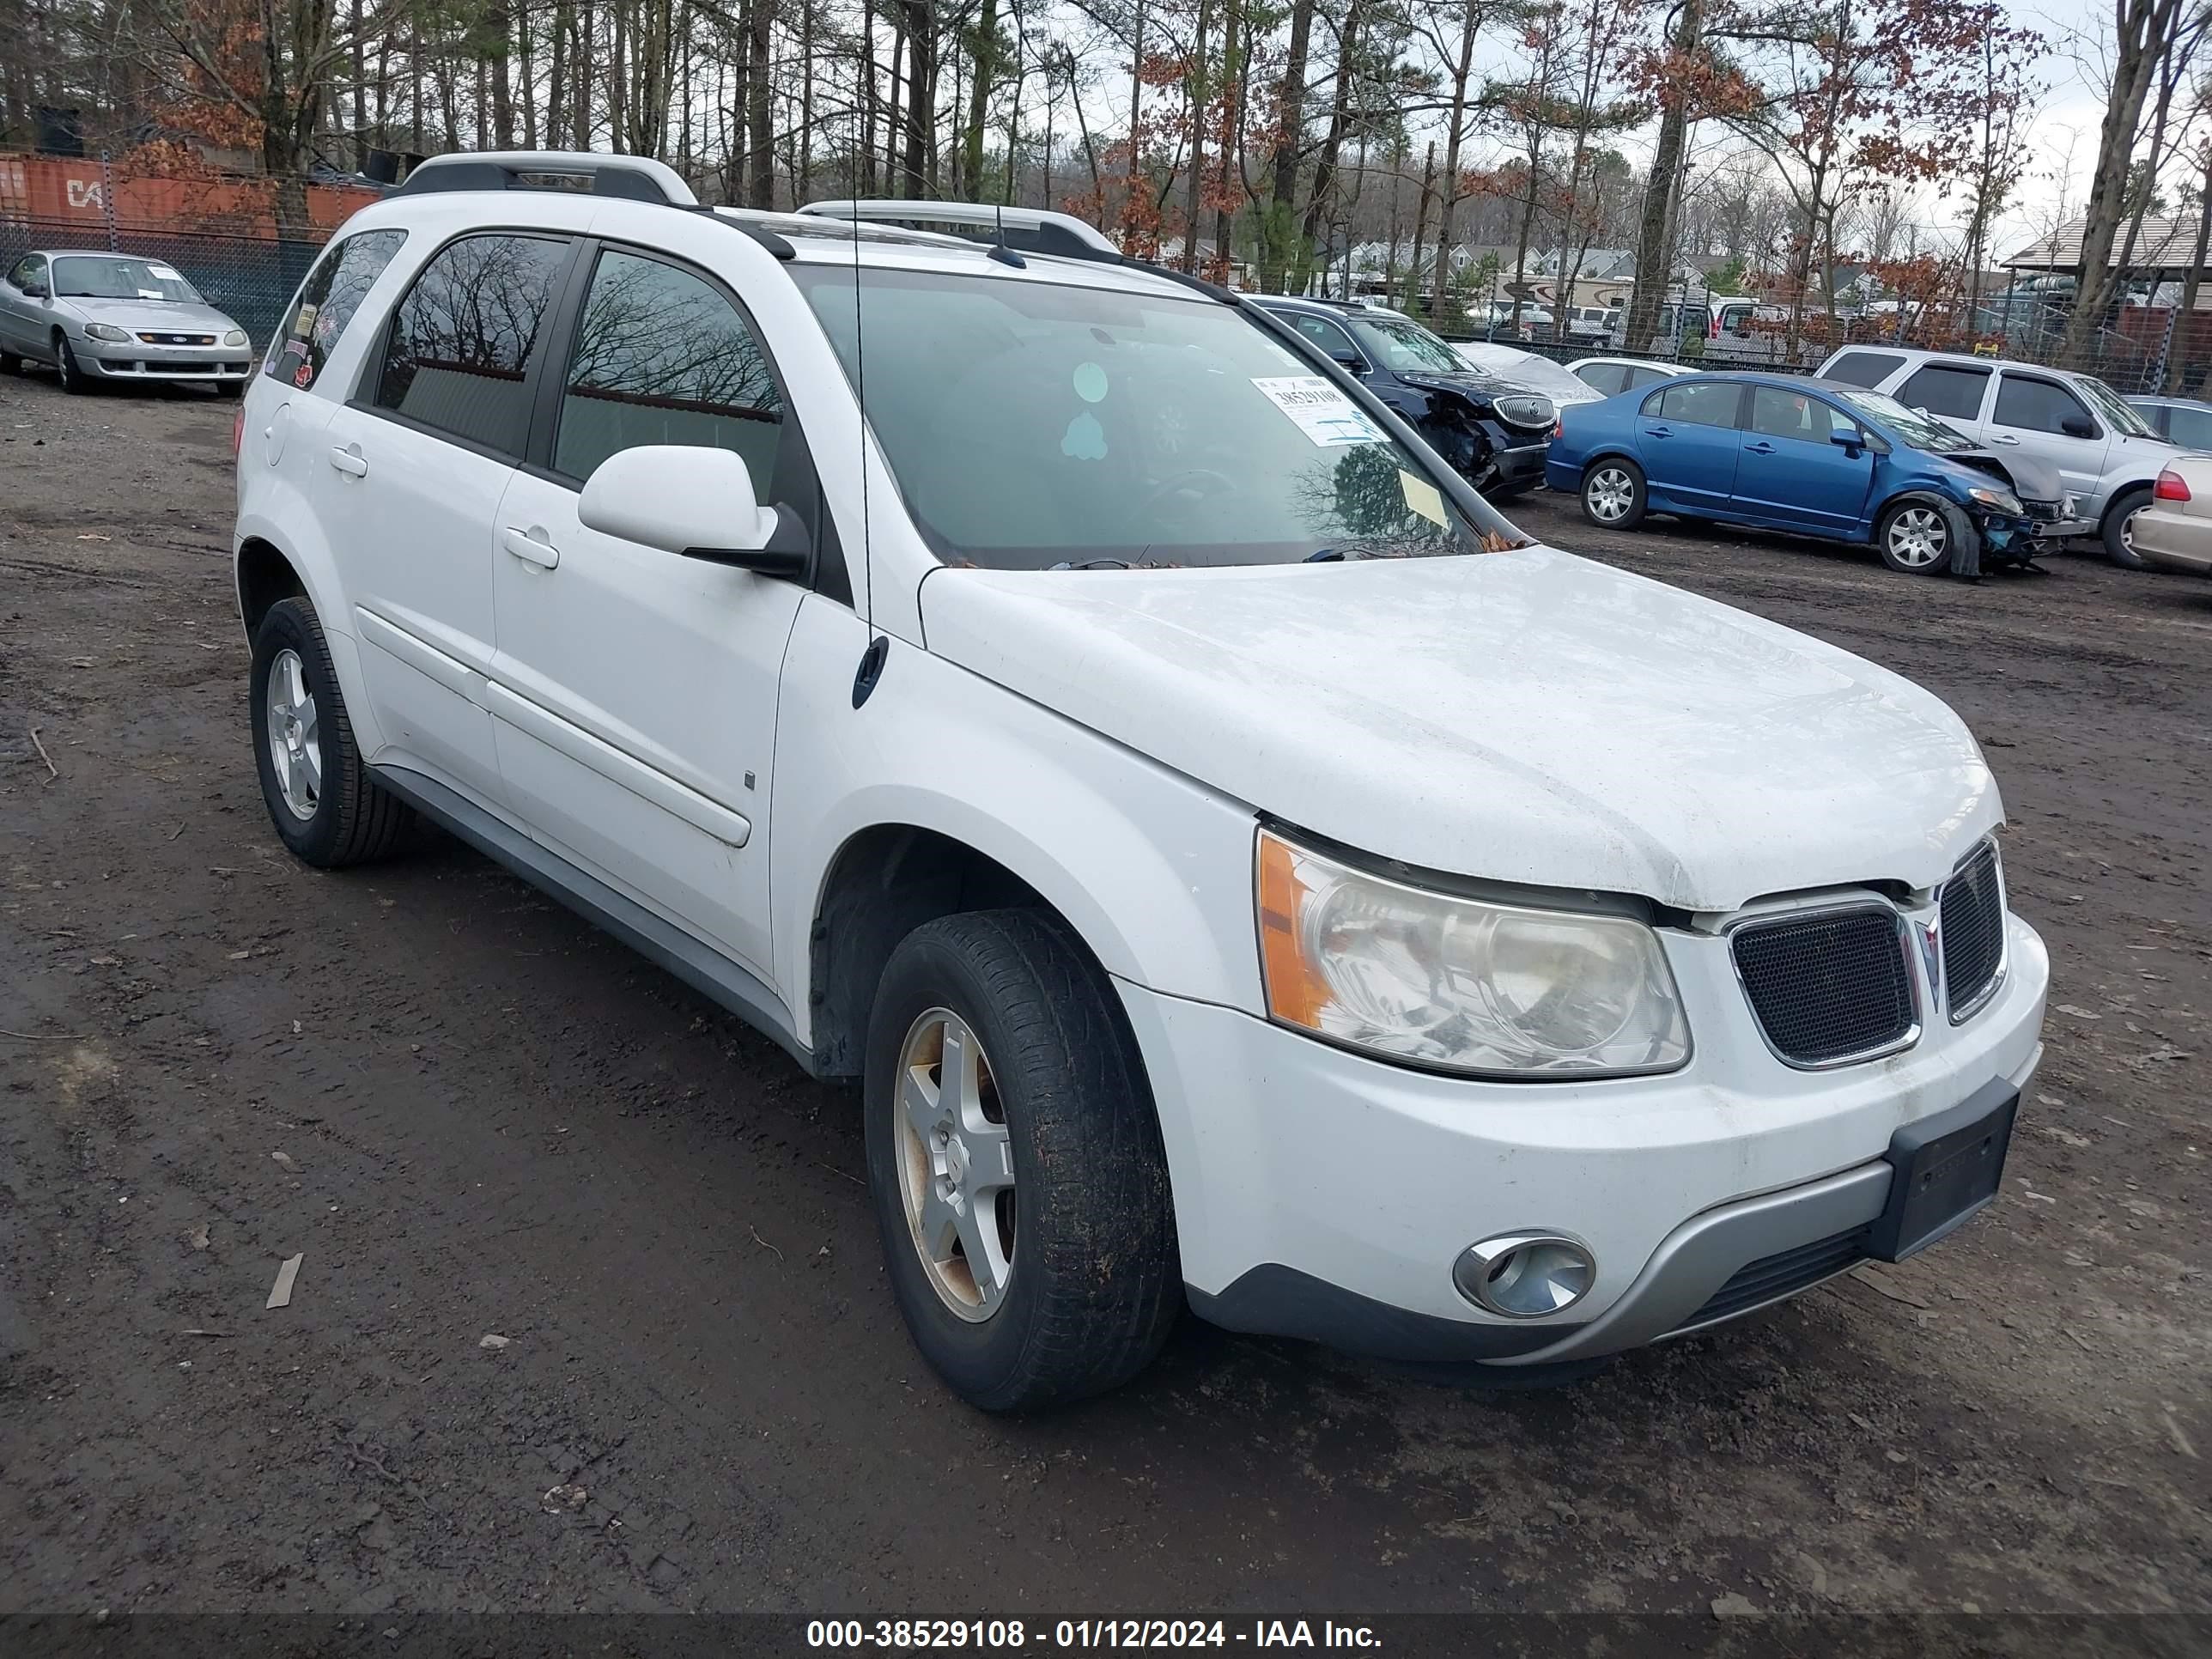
point(2041, 416)
point(1688, 436)
point(1793, 473)
point(411, 475)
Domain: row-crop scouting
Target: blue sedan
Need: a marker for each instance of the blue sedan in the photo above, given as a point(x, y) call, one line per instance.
point(1815, 458)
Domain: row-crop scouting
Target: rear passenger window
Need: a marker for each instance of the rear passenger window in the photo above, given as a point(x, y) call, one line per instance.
point(2034, 405)
point(462, 340)
point(1946, 389)
point(664, 357)
point(1866, 368)
point(1603, 377)
point(328, 299)
point(1701, 403)
point(2191, 428)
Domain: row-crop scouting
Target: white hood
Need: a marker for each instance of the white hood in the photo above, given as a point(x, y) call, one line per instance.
point(1526, 717)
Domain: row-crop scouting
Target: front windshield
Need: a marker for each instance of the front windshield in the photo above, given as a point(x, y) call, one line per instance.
point(2110, 405)
point(107, 276)
point(1032, 424)
point(1402, 342)
point(1917, 430)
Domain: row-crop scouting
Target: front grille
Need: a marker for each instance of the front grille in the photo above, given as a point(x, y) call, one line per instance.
point(1829, 986)
point(1784, 1273)
point(1973, 923)
point(178, 339)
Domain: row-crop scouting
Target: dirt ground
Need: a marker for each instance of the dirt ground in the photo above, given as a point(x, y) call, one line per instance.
point(474, 1116)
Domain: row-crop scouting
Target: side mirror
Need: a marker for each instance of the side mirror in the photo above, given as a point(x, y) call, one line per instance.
point(1351, 360)
point(695, 502)
point(1850, 440)
point(2073, 426)
point(35, 291)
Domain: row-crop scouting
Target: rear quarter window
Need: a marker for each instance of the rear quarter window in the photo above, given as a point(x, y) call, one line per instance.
point(2191, 428)
point(1946, 389)
point(327, 303)
point(1864, 368)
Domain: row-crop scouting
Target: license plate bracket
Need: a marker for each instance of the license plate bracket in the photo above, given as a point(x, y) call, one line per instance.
point(1948, 1169)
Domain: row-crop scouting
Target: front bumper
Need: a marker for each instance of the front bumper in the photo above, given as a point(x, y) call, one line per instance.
point(1325, 1195)
point(1515, 467)
point(2173, 541)
point(138, 360)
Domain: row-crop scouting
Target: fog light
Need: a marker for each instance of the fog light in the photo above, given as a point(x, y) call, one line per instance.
point(1524, 1275)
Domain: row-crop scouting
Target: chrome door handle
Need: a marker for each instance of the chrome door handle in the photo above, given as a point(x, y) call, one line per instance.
point(529, 548)
point(349, 460)
point(1999, 438)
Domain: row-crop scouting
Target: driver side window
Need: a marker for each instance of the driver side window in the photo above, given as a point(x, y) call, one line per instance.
point(1327, 335)
point(30, 271)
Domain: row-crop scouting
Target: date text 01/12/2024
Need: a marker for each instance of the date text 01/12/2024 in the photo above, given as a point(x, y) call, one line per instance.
point(1015, 1633)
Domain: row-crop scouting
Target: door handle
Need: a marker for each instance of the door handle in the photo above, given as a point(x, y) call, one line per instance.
point(1999, 438)
point(348, 460)
point(1658, 432)
point(529, 548)
point(1759, 448)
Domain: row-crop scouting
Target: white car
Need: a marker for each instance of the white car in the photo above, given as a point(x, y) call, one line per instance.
point(1607, 376)
point(1531, 369)
point(1040, 690)
point(2107, 454)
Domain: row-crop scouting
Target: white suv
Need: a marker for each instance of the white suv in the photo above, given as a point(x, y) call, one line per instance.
point(1236, 868)
point(2107, 456)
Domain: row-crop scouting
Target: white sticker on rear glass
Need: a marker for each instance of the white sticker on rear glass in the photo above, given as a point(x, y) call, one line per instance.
point(1319, 409)
point(165, 273)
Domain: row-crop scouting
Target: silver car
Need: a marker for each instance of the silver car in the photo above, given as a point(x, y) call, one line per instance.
point(2107, 455)
point(114, 316)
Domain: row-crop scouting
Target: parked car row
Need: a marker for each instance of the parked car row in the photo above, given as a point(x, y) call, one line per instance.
point(99, 317)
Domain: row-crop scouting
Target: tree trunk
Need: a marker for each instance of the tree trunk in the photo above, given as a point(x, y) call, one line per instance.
point(1454, 135)
point(760, 139)
point(920, 161)
point(499, 29)
point(1421, 228)
point(1131, 239)
point(1290, 132)
point(1331, 146)
point(2144, 28)
point(1196, 95)
point(1652, 253)
point(2184, 320)
point(979, 96)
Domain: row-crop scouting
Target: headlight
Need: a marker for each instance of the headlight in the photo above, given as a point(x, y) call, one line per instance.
point(2001, 501)
point(1462, 984)
point(106, 331)
point(236, 337)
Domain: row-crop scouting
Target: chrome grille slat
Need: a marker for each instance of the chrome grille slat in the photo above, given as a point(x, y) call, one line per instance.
point(1828, 986)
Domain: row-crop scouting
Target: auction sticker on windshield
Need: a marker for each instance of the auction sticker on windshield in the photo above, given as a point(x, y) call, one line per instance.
point(1319, 409)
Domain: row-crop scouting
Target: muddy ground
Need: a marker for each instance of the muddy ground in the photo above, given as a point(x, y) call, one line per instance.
point(473, 1114)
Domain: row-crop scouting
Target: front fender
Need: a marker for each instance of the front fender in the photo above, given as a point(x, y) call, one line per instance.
point(1153, 870)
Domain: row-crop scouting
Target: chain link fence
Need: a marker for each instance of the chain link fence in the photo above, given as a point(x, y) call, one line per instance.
point(251, 278)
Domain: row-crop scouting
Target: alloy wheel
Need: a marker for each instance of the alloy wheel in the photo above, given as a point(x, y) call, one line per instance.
point(956, 1165)
point(294, 738)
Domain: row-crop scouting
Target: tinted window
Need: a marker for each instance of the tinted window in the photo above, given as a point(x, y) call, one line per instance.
point(1779, 412)
point(1607, 378)
point(663, 357)
point(328, 299)
point(2037, 405)
point(1701, 403)
point(2191, 428)
point(464, 337)
point(1866, 368)
point(1322, 333)
point(1647, 376)
point(1943, 389)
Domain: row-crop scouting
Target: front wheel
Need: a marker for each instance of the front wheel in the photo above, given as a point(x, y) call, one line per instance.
point(1015, 1163)
point(1613, 494)
point(75, 381)
point(1914, 537)
point(2120, 535)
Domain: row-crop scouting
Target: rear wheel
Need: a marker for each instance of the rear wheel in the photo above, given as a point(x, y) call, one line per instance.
point(2119, 527)
point(1613, 494)
point(325, 804)
point(1914, 537)
point(11, 363)
point(1016, 1165)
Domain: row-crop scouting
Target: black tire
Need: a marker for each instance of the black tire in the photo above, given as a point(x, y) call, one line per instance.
point(2125, 506)
point(75, 381)
point(11, 363)
point(1599, 479)
point(1914, 536)
point(1095, 1284)
point(353, 820)
point(230, 391)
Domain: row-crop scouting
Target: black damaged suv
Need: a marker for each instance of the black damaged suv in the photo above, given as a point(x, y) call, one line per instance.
point(1491, 430)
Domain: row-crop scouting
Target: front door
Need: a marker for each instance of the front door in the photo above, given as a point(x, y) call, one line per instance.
point(635, 698)
point(410, 476)
point(1687, 437)
point(1792, 473)
point(23, 327)
point(2039, 415)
